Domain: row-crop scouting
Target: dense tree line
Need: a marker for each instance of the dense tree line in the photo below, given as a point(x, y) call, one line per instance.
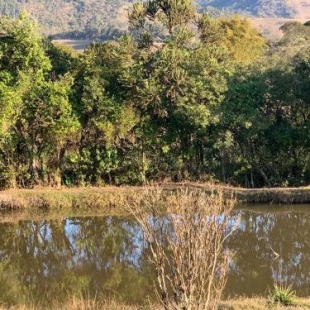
point(186, 97)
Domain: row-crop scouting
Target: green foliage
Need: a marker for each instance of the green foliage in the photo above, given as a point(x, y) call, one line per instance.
point(283, 295)
point(267, 110)
point(63, 58)
point(186, 96)
point(242, 41)
point(22, 60)
point(21, 47)
point(37, 116)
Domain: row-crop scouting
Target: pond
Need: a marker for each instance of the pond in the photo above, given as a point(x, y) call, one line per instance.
point(55, 256)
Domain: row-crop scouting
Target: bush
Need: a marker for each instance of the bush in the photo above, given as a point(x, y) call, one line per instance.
point(186, 244)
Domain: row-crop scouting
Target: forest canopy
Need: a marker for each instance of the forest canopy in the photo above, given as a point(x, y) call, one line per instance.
point(184, 97)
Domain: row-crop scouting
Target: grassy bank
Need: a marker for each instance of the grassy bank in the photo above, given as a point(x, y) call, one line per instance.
point(113, 198)
point(76, 303)
point(287, 195)
point(108, 198)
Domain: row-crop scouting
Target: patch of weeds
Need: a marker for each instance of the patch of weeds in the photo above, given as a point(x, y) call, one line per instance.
point(284, 295)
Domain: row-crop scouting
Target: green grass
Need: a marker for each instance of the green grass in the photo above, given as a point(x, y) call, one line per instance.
point(284, 295)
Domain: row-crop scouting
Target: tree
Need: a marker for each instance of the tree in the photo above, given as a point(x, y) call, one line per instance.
point(45, 128)
point(37, 121)
point(266, 113)
point(21, 53)
point(242, 40)
point(106, 118)
point(180, 84)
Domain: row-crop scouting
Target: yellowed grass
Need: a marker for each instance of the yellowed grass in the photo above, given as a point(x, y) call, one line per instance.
point(45, 199)
point(112, 199)
point(262, 304)
point(77, 303)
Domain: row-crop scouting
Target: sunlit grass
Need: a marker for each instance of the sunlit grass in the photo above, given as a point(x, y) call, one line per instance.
point(48, 199)
point(113, 197)
point(78, 303)
point(284, 295)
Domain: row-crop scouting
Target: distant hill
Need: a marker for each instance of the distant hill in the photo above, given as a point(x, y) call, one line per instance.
point(104, 19)
point(258, 8)
point(72, 18)
point(267, 15)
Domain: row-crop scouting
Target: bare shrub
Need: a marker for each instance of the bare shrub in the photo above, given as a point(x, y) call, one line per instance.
point(185, 231)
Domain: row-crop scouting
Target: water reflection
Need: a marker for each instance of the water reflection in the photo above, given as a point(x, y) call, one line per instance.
point(107, 255)
point(44, 259)
point(255, 266)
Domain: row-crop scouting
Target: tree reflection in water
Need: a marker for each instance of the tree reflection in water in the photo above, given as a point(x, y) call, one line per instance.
point(41, 260)
point(47, 259)
point(255, 267)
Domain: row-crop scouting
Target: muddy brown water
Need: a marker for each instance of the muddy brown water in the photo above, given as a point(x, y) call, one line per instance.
point(53, 257)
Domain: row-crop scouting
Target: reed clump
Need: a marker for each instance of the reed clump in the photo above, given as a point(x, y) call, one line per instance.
point(186, 244)
point(284, 295)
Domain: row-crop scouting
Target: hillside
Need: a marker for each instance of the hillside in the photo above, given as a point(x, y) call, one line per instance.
point(259, 8)
point(72, 18)
point(104, 19)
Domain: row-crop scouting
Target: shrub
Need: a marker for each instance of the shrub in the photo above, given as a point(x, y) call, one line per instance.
point(186, 244)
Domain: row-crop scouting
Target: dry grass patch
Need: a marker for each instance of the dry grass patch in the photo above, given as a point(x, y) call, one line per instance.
point(46, 199)
point(77, 303)
point(112, 198)
point(262, 304)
